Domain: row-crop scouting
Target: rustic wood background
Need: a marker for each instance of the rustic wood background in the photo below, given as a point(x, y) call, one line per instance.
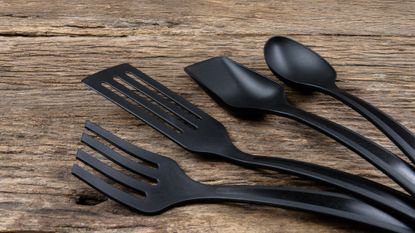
point(47, 47)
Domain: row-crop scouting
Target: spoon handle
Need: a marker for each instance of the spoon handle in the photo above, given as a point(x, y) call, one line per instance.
point(329, 203)
point(396, 132)
point(390, 164)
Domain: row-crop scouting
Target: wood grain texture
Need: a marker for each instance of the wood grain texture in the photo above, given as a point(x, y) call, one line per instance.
point(47, 47)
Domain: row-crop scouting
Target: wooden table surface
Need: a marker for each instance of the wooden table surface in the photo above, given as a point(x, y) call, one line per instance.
point(47, 47)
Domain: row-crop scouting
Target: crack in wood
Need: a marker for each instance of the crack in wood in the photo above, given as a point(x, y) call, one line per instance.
point(91, 200)
point(16, 16)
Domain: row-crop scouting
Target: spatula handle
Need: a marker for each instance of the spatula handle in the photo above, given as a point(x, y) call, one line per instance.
point(328, 203)
point(397, 169)
point(396, 132)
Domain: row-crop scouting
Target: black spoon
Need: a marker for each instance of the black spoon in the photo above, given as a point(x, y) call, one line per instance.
point(301, 67)
point(238, 87)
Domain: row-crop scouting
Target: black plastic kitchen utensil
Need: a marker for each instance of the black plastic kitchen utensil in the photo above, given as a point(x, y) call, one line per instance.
point(241, 88)
point(301, 67)
point(196, 131)
point(172, 186)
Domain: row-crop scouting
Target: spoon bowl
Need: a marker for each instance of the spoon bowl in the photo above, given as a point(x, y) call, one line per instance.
point(298, 65)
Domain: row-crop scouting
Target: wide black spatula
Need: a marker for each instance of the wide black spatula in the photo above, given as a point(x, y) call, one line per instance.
point(241, 88)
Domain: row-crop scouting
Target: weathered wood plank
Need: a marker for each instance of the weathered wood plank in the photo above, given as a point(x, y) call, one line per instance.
point(239, 18)
point(44, 106)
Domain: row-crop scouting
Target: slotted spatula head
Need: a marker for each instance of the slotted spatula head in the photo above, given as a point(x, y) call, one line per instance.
point(160, 108)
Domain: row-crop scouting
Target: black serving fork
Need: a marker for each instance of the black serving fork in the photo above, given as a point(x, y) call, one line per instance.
point(172, 187)
point(198, 132)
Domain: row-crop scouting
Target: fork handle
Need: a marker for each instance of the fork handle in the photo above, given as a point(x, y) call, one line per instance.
point(396, 132)
point(378, 194)
point(390, 164)
point(328, 203)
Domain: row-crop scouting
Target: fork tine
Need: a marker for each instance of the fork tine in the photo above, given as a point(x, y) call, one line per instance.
point(127, 147)
point(112, 173)
point(157, 110)
point(137, 168)
point(164, 90)
point(107, 189)
point(174, 108)
point(134, 110)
